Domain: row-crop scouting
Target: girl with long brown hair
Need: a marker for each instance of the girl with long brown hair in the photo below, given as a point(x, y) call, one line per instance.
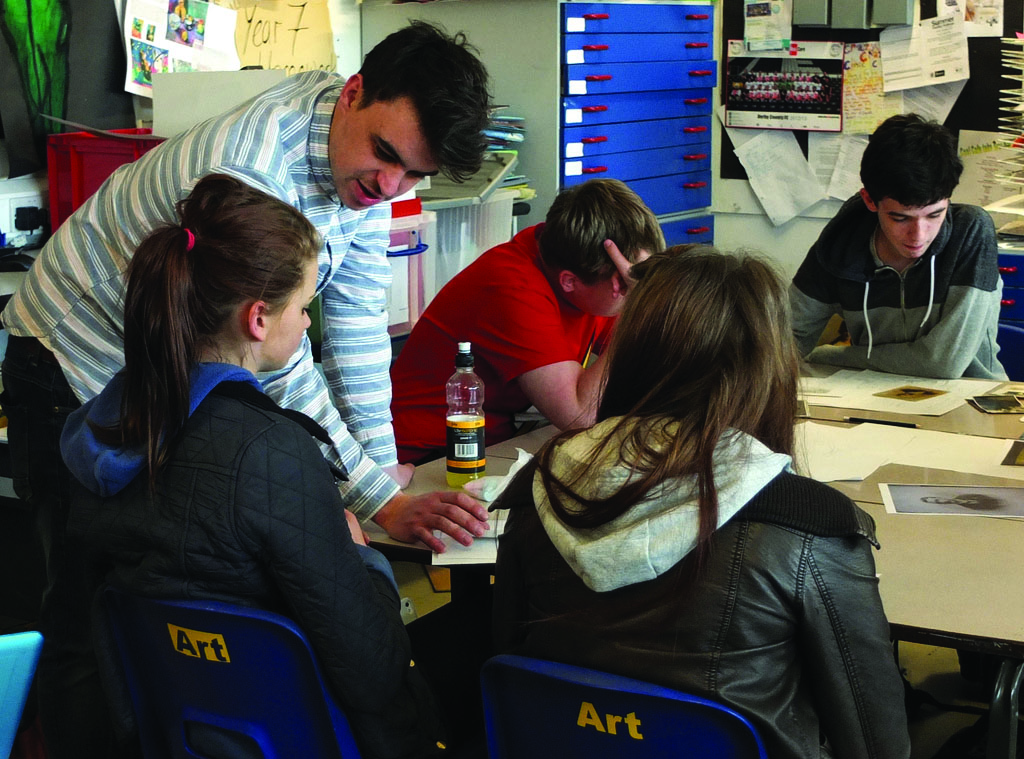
point(672, 541)
point(196, 485)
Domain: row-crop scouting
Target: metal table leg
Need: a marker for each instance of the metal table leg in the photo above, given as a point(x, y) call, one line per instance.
point(1002, 722)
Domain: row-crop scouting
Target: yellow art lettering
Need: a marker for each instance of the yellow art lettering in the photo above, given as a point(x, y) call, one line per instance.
point(589, 717)
point(199, 645)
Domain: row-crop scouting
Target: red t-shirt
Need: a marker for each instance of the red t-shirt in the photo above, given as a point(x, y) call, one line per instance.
point(505, 307)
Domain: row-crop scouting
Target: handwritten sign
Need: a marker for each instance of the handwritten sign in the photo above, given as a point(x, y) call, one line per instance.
point(294, 35)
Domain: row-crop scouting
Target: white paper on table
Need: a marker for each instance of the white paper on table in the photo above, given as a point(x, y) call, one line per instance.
point(929, 449)
point(484, 550)
point(824, 453)
point(933, 102)
point(779, 175)
point(929, 52)
point(856, 390)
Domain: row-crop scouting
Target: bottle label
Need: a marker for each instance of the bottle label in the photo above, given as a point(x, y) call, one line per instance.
point(466, 445)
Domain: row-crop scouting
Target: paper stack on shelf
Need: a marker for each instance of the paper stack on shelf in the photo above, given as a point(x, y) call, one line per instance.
point(1010, 171)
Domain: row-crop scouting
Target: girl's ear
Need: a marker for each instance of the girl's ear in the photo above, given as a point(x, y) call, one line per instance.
point(255, 321)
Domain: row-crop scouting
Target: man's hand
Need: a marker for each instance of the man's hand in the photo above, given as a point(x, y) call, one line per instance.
point(358, 536)
point(410, 518)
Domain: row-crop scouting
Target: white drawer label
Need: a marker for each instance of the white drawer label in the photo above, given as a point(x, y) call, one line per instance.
point(573, 115)
point(577, 87)
point(575, 24)
point(574, 150)
point(574, 168)
point(574, 56)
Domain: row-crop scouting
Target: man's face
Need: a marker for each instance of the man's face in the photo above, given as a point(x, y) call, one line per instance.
point(906, 232)
point(377, 152)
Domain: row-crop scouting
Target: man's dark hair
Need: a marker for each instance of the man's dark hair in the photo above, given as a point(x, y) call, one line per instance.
point(447, 85)
point(912, 161)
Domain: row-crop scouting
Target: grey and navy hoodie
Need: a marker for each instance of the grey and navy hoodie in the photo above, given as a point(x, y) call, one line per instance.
point(936, 319)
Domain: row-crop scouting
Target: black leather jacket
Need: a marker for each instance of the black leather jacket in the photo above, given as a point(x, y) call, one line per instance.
point(247, 511)
point(784, 623)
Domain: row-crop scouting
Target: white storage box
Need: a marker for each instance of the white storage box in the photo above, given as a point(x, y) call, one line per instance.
point(411, 253)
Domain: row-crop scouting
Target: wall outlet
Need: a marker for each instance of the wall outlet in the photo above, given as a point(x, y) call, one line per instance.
point(21, 192)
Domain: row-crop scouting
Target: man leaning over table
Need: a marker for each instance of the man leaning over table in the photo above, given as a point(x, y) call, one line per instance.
point(334, 148)
point(535, 310)
point(913, 276)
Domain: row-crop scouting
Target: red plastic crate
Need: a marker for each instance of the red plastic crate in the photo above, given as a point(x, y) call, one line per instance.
point(77, 164)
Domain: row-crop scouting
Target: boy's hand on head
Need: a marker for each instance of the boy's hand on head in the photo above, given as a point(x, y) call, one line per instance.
point(623, 265)
point(410, 518)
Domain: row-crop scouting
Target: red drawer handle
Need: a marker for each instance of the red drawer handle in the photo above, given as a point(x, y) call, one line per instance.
point(697, 17)
point(598, 78)
point(594, 108)
point(595, 47)
point(1007, 269)
point(595, 16)
point(693, 130)
point(694, 185)
point(596, 170)
point(697, 230)
point(702, 72)
point(695, 157)
point(695, 101)
point(592, 140)
point(695, 44)
point(1008, 302)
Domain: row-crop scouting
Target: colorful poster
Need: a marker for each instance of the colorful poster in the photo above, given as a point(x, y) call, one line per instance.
point(865, 104)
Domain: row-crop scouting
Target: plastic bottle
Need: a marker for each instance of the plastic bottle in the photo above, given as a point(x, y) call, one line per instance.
point(465, 421)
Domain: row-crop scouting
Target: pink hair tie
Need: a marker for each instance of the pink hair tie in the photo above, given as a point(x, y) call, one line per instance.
point(191, 239)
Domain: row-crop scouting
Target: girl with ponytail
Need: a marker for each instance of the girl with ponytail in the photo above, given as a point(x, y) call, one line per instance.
point(193, 484)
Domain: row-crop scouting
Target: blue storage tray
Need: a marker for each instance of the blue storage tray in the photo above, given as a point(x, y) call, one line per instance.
point(614, 17)
point(680, 192)
point(600, 78)
point(1011, 269)
point(626, 48)
point(638, 164)
point(636, 106)
point(619, 138)
point(695, 229)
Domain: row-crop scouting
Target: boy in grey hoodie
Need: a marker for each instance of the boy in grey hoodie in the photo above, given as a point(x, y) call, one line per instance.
point(913, 276)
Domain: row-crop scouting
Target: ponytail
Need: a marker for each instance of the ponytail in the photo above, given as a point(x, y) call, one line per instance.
point(233, 245)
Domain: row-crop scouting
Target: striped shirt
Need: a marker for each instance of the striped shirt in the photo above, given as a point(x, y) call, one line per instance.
point(72, 299)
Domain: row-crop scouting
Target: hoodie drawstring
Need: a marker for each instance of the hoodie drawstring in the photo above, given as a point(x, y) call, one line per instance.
point(931, 295)
point(867, 322)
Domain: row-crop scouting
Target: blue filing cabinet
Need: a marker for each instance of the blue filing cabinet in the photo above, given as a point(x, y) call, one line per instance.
point(1011, 269)
point(637, 105)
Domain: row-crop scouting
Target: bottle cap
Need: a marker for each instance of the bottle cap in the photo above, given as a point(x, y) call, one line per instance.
point(463, 358)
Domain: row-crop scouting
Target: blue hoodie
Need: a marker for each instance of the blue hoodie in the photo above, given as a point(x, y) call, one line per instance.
point(107, 470)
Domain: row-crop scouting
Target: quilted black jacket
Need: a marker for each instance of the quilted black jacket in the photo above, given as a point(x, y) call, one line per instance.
point(247, 511)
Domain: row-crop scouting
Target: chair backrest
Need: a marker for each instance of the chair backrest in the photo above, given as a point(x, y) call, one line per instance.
point(540, 708)
point(19, 653)
point(203, 672)
point(1011, 350)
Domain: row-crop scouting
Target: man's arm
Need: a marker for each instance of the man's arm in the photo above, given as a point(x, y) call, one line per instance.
point(565, 392)
point(809, 316)
point(356, 348)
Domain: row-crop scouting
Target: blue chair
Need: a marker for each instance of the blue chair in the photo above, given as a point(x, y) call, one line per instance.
point(19, 654)
point(540, 708)
point(209, 678)
point(1011, 350)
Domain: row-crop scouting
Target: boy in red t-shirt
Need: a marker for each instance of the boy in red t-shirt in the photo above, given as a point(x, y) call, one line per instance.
point(538, 310)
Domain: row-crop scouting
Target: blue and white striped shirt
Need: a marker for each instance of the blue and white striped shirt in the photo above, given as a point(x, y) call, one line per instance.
point(72, 299)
